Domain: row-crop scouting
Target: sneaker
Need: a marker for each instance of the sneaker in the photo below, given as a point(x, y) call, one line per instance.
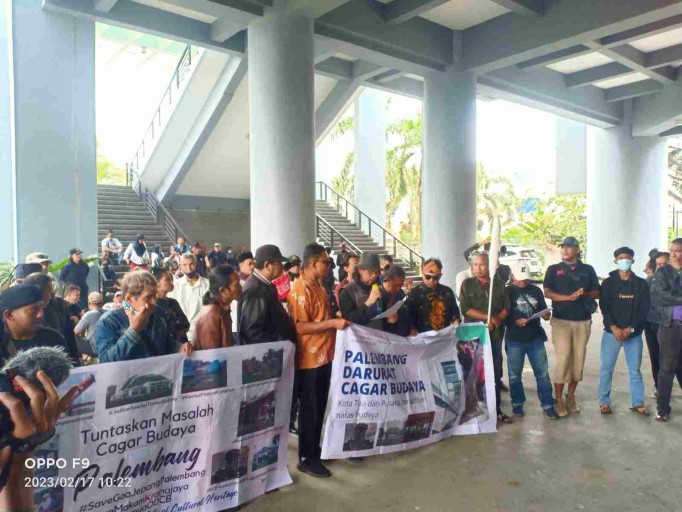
point(572, 405)
point(314, 467)
point(661, 417)
point(560, 407)
point(551, 413)
point(518, 411)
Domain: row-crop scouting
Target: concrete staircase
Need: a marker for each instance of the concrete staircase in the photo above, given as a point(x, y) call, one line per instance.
point(356, 236)
point(119, 208)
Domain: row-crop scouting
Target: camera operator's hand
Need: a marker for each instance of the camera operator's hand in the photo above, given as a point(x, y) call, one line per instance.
point(46, 406)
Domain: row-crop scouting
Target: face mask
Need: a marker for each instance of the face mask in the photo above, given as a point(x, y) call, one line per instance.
point(229, 252)
point(624, 265)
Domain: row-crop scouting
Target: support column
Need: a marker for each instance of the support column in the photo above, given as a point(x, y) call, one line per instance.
point(48, 177)
point(370, 156)
point(282, 131)
point(626, 196)
point(449, 169)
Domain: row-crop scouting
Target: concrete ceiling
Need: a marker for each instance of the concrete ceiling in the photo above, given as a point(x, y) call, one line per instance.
point(462, 14)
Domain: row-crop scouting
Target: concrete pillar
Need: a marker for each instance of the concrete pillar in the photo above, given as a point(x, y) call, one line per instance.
point(626, 196)
point(370, 156)
point(571, 157)
point(449, 169)
point(282, 131)
point(48, 178)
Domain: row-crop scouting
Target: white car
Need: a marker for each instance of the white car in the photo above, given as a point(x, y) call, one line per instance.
point(518, 256)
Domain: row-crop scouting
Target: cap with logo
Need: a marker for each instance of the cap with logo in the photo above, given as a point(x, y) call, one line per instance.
point(75, 250)
point(522, 274)
point(37, 257)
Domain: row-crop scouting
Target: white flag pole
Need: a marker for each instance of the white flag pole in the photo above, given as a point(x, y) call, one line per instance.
point(493, 258)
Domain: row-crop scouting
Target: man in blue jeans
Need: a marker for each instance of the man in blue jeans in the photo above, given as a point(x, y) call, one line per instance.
point(624, 302)
point(526, 337)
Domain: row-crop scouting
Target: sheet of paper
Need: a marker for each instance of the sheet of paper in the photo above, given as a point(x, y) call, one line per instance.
point(540, 313)
point(391, 311)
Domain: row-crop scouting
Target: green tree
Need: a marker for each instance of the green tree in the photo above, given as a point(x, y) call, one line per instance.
point(344, 183)
point(494, 194)
point(108, 173)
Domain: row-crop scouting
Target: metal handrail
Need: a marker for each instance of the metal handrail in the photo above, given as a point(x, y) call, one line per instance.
point(342, 206)
point(332, 232)
point(177, 79)
point(170, 225)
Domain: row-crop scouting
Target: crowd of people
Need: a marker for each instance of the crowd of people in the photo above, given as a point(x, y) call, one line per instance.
point(189, 300)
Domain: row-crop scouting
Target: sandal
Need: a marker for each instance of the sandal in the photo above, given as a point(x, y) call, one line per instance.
point(640, 409)
point(503, 418)
point(605, 409)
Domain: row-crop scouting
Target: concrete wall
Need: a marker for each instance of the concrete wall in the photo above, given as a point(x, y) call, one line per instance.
point(52, 152)
point(571, 157)
point(209, 226)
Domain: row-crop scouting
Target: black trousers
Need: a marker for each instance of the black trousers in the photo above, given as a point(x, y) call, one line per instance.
point(652, 343)
point(313, 392)
point(295, 406)
point(670, 340)
point(497, 366)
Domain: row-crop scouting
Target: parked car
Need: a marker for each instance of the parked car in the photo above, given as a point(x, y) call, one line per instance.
point(518, 256)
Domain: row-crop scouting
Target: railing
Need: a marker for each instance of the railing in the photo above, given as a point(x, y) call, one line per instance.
point(161, 215)
point(393, 245)
point(330, 236)
point(164, 110)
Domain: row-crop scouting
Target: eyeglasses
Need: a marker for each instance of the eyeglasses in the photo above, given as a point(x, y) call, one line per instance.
point(428, 277)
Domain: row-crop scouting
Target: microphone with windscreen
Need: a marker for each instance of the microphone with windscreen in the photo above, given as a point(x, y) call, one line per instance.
point(55, 362)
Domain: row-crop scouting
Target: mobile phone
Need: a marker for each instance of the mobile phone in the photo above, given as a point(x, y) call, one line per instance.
point(126, 305)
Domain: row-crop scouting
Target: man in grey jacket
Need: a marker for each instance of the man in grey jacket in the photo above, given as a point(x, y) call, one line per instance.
point(666, 299)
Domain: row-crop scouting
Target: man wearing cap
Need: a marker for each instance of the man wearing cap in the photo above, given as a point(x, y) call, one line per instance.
point(573, 288)
point(474, 301)
point(85, 330)
point(245, 261)
point(111, 248)
point(202, 268)
point(23, 270)
point(262, 317)
point(360, 299)
point(525, 337)
point(624, 303)
point(75, 272)
point(293, 267)
point(432, 305)
point(21, 307)
point(217, 256)
point(117, 302)
point(55, 311)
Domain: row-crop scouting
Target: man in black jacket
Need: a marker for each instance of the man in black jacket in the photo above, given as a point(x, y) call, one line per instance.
point(76, 272)
point(624, 302)
point(262, 318)
point(360, 300)
point(666, 297)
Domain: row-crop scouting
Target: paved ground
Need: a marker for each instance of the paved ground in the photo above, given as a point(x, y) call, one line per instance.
point(585, 462)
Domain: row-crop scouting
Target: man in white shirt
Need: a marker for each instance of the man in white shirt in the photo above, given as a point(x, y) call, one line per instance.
point(189, 291)
point(111, 248)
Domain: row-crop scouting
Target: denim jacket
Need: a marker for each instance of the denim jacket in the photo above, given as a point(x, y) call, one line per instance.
point(665, 293)
point(117, 341)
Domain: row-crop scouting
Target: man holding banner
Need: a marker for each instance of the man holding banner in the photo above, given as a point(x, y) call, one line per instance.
point(310, 309)
point(476, 302)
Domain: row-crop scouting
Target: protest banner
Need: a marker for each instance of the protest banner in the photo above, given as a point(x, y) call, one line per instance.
point(390, 393)
point(171, 433)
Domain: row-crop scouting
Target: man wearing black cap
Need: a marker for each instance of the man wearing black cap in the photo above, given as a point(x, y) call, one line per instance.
point(360, 299)
point(76, 272)
point(624, 302)
point(573, 288)
point(23, 270)
point(293, 267)
point(245, 261)
point(21, 307)
point(262, 318)
point(217, 256)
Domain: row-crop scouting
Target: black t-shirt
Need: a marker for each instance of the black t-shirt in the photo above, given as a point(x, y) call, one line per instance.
point(534, 302)
point(45, 337)
point(217, 258)
point(432, 309)
point(201, 265)
point(565, 279)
